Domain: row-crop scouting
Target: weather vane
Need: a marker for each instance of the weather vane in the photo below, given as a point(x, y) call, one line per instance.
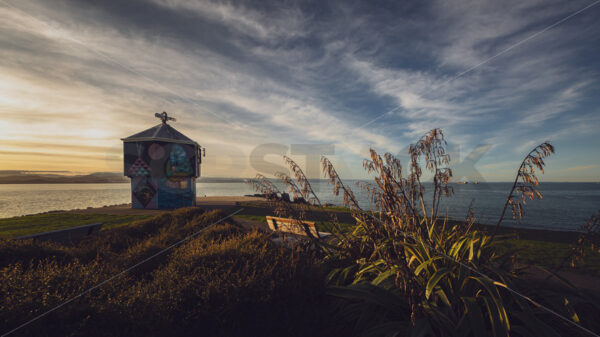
point(164, 117)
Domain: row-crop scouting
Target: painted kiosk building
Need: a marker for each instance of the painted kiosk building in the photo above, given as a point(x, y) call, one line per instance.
point(163, 165)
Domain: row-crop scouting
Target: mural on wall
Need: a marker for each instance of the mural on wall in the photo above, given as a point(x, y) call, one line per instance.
point(163, 174)
point(160, 159)
point(144, 192)
point(139, 167)
point(178, 164)
point(156, 151)
point(177, 194)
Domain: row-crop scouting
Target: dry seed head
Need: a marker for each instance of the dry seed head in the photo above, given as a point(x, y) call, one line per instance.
point(526, 187)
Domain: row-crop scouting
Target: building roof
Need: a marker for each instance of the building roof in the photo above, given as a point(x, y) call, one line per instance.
point(161, 132)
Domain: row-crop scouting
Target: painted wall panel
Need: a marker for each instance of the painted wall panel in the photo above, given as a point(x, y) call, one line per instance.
point(144, 192)
point(163, 175)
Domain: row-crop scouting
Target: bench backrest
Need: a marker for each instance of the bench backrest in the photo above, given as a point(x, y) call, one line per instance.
point(291, 226)
point(65, 235)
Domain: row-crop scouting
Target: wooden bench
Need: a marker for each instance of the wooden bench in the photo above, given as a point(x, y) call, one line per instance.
point(295, 227)
point(66, 235)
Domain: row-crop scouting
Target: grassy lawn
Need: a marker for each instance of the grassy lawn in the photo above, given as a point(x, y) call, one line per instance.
point(328, 227)
point(548, 254)
point(257, 218)
point(31, 224)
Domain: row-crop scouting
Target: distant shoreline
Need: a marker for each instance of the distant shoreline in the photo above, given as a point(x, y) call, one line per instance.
point(74, 180)
point(61, 182)
point(16, 178)
point(91, 179)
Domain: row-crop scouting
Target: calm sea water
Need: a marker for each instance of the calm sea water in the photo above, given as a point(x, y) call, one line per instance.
point(565, 205)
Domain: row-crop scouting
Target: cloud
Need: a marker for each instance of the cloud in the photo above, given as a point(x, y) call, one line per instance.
point(285, 22)
point(580, 168)
point(239, 75)
point(98, 76)
point(512, 97)
point(562, 101)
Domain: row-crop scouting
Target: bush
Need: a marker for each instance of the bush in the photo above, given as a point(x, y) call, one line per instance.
point(24, 251)
point(407, 271)
point(223, 282)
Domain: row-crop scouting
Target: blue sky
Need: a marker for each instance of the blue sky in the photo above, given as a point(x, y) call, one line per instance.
point(497, 77)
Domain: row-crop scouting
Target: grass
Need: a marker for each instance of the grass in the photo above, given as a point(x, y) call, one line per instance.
point(329, 227)
point(38, 223)
point(226, 281)
point(257, 218)
point(548, 254)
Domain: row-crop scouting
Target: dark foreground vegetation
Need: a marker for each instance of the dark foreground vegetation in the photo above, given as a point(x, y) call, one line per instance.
point(223, 282)
point(407, 270)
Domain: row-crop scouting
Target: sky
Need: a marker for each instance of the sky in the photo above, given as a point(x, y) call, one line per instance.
point(253, 80)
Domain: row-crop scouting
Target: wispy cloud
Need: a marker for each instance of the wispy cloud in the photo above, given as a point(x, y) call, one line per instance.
point(580, 168)
point(284, 22)
point(525, 94)
point(241, 74)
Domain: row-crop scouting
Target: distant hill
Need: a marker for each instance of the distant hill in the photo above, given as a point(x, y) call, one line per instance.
point(66, 177)
point(33, 177)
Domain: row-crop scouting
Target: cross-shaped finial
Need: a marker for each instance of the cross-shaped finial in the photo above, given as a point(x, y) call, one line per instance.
point(164, 117)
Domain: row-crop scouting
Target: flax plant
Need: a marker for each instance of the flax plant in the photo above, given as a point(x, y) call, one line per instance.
point(404, 249)
point(526, 182)
point(407, 271)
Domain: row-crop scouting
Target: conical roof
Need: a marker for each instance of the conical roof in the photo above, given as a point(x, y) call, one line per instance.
point(161, 132)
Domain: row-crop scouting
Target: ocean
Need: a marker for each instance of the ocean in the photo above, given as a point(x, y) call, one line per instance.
point(565, 206)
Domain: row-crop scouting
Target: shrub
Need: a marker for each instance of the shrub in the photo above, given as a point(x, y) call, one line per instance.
point(24, 251)
point(407, 271)
point(223, 282)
